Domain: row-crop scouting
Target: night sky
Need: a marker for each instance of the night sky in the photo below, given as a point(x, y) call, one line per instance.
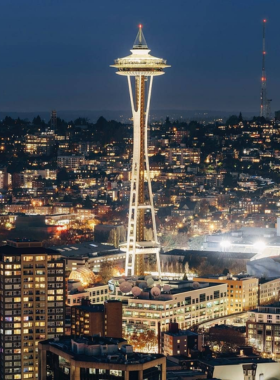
point(56, 54)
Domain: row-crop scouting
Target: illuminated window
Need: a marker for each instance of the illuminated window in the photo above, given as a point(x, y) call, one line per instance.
point(27, 258)
point(40, 258)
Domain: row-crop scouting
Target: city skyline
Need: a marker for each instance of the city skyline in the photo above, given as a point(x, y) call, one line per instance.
point(215, 52)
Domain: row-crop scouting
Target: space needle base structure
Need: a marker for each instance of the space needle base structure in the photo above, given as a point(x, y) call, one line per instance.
point(143, 67)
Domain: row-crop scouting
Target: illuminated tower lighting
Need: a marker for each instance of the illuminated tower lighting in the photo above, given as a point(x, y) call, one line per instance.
point(143, 67)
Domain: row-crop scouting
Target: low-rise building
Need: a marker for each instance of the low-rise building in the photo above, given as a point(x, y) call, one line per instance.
point(97, 358)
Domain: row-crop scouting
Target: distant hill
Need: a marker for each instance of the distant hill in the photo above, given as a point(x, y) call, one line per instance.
point(125, 115)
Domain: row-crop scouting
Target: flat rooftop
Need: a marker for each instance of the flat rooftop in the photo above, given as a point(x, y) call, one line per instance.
point(181, 333)
point(64, 344)
point(87, 250)
point(25, 247)
point(273, 308)
point(234, 361)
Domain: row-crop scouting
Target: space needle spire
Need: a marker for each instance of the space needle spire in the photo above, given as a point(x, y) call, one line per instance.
point(142, 67)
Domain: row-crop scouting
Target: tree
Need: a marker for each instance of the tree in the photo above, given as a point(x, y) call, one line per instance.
point(107, 271)
point(62, 175)
point(88, 203)
point(146, 341)
point(232, 120)
point(38, 121)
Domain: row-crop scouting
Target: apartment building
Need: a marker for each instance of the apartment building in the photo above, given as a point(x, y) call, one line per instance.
point(71, 161)
point(242, 291)
point(182, 156)
point(263, 329)
point(32, 305)
point(269, 291)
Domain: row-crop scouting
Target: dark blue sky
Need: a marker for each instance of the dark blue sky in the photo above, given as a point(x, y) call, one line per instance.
point(56, 53)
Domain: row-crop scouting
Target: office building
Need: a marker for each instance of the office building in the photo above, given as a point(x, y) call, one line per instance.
point(32, 305)
point(97, 358)
point(154, 307)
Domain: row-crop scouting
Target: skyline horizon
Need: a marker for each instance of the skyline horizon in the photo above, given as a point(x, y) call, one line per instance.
point(125, 115)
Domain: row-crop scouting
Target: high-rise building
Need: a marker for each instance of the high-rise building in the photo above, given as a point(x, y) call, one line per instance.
point(32, 305)
point(143, 67)
point(103, 320)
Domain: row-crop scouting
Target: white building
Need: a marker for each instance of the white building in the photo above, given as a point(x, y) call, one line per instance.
point(186, 303)
point(94, 293)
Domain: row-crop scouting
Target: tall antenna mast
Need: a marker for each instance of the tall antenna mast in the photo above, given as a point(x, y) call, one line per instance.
point(263, 110)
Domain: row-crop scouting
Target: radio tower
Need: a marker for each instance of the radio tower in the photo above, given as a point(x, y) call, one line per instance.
point(264, 104)
point(143, 67)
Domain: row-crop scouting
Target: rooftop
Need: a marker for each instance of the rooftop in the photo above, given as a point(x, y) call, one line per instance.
point(234, 361)
point(86, 249)
point(181, 333)
point(19, 247)
point(125, 355)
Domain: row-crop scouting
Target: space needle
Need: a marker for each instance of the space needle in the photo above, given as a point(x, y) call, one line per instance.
point(143, 67)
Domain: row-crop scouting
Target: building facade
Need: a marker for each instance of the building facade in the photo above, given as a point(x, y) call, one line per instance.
point(32, 305)
point(184, 304)
point(242, 291)
point(269, 291)
point(103, 320)
point(180, 342)
point(263, 329)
